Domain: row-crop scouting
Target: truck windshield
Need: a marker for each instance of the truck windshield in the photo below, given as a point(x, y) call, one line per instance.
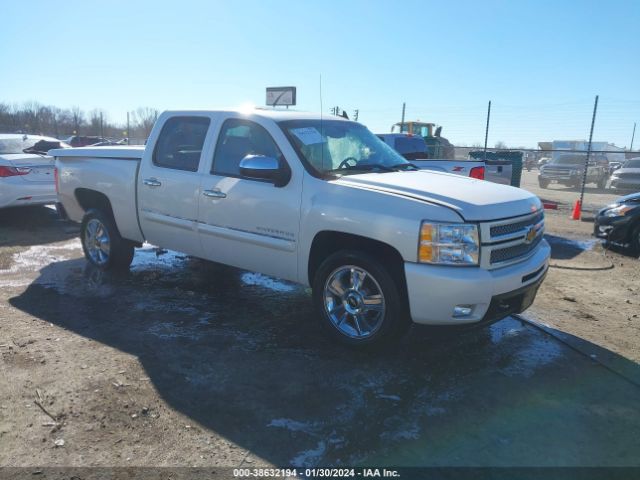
point(633, 163)
point(338, 147)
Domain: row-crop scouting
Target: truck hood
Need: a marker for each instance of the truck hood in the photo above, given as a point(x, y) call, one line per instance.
point(473, 200)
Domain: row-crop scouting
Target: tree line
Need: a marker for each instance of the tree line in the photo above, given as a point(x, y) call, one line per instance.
point(38, 119)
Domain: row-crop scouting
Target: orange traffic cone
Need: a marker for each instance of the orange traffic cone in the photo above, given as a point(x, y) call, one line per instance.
point(576, 211)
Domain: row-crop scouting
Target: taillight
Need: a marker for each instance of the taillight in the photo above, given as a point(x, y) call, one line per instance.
point(13, 171)
point(55, 179)
point(477, 172)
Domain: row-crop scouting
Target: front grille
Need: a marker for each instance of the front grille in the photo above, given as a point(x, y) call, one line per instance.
point(500, 230)
point(558, 171)
point(509, 253)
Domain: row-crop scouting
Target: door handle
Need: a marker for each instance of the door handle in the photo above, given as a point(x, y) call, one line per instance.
point(151, 182)
point(214, 193)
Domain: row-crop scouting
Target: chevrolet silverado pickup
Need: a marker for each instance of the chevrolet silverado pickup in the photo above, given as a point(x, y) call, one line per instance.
point(568, 169)
point(318, 201)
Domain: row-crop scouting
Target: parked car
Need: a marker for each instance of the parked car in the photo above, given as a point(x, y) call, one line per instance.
point(568, 169)
point(321, 202)
point(620, 222)
point(415, 149)
point(26, 172)
point(627, 177)
point(83, 141)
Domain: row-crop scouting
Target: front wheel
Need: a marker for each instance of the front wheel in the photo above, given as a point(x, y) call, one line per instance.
point(543, 183)
point(102, 244)
point(358, 301)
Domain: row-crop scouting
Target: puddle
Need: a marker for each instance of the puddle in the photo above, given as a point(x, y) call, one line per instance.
point(526, 355)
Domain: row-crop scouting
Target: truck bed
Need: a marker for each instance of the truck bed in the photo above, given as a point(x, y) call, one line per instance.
point(112, 171)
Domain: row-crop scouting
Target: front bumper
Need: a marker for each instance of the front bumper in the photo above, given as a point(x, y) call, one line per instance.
point(434, 291)
point(15, 192)
point(614, 229)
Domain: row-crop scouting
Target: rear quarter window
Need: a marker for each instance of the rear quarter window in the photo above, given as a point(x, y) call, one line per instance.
point(180, 143)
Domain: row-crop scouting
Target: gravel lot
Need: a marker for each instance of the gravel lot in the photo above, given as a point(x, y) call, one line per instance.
point(181, 362)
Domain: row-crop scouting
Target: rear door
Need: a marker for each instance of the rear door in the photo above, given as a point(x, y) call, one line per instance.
point(169, 184)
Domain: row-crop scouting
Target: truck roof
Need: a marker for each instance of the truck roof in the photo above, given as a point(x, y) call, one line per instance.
point(275, 115)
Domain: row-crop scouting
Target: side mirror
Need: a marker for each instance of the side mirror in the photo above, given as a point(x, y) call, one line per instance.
point(260, 167)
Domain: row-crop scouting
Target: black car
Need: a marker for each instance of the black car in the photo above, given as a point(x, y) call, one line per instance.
point(620, 222)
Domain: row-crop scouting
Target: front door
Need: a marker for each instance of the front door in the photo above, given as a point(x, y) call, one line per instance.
point(247, 223)
point(169, 185)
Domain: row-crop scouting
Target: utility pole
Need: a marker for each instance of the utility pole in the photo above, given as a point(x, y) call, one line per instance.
point(586, 162)
point(486, 131)
point(128, 131)
point(404, 105)
point(633, 136)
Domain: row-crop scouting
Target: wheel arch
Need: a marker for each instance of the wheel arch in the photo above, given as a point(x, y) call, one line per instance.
point(328, 242)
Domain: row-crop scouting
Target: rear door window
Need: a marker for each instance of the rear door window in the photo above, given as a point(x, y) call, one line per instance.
point(180, 143)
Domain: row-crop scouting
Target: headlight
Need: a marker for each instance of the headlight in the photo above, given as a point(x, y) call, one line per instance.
point(449, 244)
point(619, 211)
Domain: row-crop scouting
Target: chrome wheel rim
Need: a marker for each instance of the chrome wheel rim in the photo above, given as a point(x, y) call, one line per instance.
point(97, 242)
point(354, 302)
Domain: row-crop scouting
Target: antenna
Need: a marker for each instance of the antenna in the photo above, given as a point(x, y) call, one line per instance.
point(321, 127)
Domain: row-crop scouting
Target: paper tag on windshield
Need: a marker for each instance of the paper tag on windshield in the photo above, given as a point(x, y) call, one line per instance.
point(308, 135)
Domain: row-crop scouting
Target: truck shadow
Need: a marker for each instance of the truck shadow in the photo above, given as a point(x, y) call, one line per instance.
point(237, 353)
point(27, 226)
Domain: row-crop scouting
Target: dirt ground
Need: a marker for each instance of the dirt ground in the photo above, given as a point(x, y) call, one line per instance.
point(590, 292)
point(182, 362)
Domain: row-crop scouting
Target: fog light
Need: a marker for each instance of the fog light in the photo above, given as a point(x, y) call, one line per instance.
point(462, 311)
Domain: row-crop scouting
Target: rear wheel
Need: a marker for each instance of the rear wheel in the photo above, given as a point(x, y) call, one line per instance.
point(358, 301)
point(102, 244)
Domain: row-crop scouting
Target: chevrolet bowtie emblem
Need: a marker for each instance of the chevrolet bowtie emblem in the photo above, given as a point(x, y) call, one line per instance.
point(531, 234)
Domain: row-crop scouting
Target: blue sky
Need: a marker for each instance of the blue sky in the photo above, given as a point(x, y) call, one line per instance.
point(540, 62)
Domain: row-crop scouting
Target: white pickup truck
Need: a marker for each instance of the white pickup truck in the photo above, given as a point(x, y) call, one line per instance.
point(318, 201)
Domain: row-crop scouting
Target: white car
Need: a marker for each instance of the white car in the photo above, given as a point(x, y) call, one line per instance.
point(627, 177)
point(26, 172)
point(318, 201)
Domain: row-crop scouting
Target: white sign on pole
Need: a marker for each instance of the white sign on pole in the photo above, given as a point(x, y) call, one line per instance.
point(281, 96)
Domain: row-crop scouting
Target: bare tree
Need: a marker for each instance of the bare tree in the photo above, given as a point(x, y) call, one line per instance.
point(501, 145)
point(78, 118)
point(143, 119)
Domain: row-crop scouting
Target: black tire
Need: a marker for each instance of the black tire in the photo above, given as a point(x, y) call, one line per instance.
point(634, 241)
point(391, 324)
point(543, 183)
point(120, 250)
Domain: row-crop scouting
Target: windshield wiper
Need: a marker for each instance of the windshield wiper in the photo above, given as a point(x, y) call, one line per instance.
point(404, 166)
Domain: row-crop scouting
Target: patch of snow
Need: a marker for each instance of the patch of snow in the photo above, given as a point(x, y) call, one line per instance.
point(310, 458)
point(293, 425)
point(389, 397)
point(260, 280)
point(38, 256)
